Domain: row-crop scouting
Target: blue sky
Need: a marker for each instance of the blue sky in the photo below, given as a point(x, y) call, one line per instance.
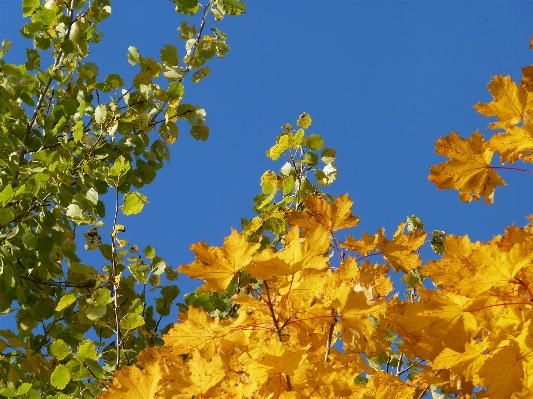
point(382, 81)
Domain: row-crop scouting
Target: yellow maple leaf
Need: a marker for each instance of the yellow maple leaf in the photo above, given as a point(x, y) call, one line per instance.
point(516, 143)
point(364, 246)
point(454, 265)
point(510, 101)
point(218, 266)
point(494, 269)
point(399, 252)
point(319, 212)
point(202, 375)
point(438, 320)
point(296, 255)
point(384, 386)
point(468, 170)
point(464, 363)
point(133, 382)
point(196, 330)
point(356, 328)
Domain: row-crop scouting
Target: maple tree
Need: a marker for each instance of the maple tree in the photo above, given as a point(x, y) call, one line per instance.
point(273, 304)
point(67, 137)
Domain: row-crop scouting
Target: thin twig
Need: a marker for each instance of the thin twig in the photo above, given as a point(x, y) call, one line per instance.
point(115, 284)
point(330, 337)
point(278, 330)
point(42, 94)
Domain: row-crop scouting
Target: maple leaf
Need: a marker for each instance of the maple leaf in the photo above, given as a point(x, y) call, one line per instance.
point(203, 374)
point(218, 266)
point(196, 330)
point(363, 246)
point(464, 363)
point(319, 212)
point(437, 321)
point(398, 252)
point(468, 170)
point(296, 255)
point(384, 386)
point(356, 327)
point(527, 79)
point(510, 101)
point(454, 265)
point(516, 143)
point(133, 382)
point(494, 269)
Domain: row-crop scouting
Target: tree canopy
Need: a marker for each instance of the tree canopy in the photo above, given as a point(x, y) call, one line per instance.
point(288, 307)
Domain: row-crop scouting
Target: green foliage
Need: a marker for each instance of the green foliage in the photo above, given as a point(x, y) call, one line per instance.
point(62, 146)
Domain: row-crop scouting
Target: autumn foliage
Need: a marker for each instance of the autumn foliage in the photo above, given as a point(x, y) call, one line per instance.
point(318, 317)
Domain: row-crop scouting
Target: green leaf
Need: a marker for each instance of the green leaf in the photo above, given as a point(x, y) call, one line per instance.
point(74, 211)
point(101, 296)
point(158, 265)
point(304, 120)
point(149, 252)
point(169, 55)
point(94, 312)
point(133, 56)
point(133, 203)
point(187, 7)
point(131, 321)
point(66, 301)
point(29, 241)
point(200, 74)
point(100, 114)
point(328, 155)
point(6, 216)
point(6, 195)
point(120, 167)
point(60, 377)
point(60, 349)
point(29, 6)
point(175, 93)
point(86, 350)
point(234, 7)
point(4, 48)
point(315, 142)
point(23, 388)
point(200, 132)
point(8, 392)
point(139, 270)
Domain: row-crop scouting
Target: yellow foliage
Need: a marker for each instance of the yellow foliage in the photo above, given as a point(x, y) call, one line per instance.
point(474, 330)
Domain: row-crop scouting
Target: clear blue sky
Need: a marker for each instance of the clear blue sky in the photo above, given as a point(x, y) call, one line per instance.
point(382, 81)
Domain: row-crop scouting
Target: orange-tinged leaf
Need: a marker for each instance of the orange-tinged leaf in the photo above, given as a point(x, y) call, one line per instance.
point(134, 383)
point(516, 142)
point(363, 246)
point(468, 170)
point(319, 212)
point(527, 78)
point(399, 252)
point(509, 102)
point(218, 266)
